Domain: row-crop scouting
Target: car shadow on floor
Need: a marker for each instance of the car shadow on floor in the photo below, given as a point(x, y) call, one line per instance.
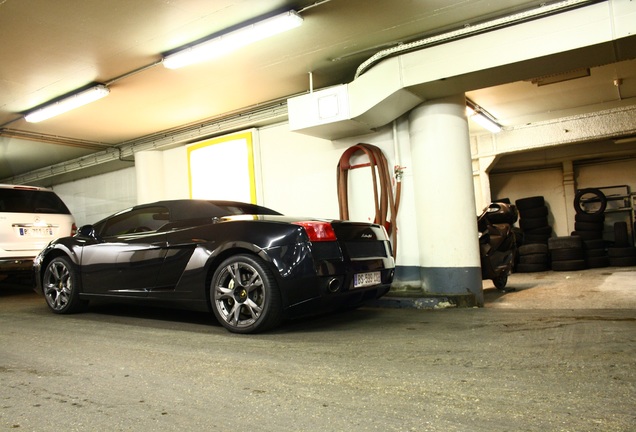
point(163, 317)
point(151, 315)
point(332, 321)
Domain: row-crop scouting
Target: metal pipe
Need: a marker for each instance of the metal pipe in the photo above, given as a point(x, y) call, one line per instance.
point(472, 30)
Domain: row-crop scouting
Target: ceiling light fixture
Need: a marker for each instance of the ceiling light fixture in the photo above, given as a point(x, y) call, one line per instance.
point(482, 117)
point(560, 77)
point(232, 41)
point(68, 103)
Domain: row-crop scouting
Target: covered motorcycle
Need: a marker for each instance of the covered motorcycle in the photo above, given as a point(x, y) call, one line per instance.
point(497, 243)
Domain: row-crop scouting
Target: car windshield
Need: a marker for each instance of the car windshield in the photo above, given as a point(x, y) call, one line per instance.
point(31, 201)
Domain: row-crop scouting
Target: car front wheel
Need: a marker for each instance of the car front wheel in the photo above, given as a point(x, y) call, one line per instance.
point(244, 295)
point(61, 287)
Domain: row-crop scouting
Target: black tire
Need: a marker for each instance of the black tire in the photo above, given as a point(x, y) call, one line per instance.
point(623, 261)
point(531, 268)
point(621, 236)
point(565, 242)
point(569, 265)
point(589, 217)
point(61, 287)
point(534, 212)
point(527, 224)
point(588, 235)
point(567, 254)
point(533, 248)
point(244, 295)
point(594, 244)
point(589, 226)
point(597, 262)
point(621, 252)
point(600, 196)
point(595, 253)
point(543, 230)
point(536, 238)
point(539, 258)
point(529, 202)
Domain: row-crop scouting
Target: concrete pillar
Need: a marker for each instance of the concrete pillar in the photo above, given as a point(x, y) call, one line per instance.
point(569, 192)
point(445, 201)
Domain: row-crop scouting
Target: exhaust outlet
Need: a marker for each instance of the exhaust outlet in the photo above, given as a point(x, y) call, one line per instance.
point(333, 285)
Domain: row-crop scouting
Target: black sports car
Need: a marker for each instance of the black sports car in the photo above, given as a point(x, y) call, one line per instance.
point(250, 265)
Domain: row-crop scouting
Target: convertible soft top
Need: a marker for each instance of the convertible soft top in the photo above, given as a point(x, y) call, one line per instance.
point(185, 209)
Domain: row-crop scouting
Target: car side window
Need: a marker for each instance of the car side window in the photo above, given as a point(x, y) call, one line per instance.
point(139, 220)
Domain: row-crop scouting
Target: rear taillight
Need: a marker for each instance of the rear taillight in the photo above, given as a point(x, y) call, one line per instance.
point(73, 229)
point(318, 231)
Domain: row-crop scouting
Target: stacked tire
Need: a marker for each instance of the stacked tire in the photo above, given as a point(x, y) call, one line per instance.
point(622, 253)
point(589, 226)
point(596, 253)
point(567, 253)
point(532, 258)
point(533, 254)
point(533, 220)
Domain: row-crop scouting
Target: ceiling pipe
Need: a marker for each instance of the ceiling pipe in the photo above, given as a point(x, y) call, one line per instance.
point(472, 30)
point(264, 114)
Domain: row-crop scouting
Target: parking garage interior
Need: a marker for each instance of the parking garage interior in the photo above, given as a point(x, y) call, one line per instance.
point(269, 123)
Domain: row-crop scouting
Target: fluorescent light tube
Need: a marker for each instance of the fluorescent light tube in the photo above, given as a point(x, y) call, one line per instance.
point(67, 104)
point(233, 40)
point(486, 123)
point(484, 120)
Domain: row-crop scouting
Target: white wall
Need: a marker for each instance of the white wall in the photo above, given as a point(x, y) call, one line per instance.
point(298, 173)
point(550, 184)
point(396, 146)
point(175, 162)
point(93, 198)
point(547, 183)
point(606, 174)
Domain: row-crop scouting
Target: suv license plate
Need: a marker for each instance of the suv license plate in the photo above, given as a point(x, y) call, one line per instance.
point(366, 279)
point(36, 232)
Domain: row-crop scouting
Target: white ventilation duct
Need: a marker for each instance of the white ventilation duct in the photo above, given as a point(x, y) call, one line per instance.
point(514, 48)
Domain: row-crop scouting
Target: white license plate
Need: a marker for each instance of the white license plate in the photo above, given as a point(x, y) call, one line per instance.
point(36, 232)
point(366, 279)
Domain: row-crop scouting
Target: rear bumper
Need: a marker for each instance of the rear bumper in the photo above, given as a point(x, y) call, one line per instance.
point(16, 265)
point(336, 301)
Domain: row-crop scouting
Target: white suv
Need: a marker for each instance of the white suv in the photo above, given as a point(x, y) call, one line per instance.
point(30, 217)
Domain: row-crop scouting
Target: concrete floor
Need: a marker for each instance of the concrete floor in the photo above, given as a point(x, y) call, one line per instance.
point(557, 354)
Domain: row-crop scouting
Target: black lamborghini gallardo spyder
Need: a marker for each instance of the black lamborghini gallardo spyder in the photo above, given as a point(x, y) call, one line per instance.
point(251, 266)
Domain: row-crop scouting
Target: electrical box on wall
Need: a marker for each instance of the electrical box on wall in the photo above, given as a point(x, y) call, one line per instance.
point(324, 113)
point(319, 107)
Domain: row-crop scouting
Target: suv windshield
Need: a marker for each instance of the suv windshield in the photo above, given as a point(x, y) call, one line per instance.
point(31, 201)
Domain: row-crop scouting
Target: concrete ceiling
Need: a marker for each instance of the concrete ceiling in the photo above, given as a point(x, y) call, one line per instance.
point(50, 49)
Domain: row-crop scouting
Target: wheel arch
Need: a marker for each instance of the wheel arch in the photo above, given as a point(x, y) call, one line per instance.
point(238, 248)
point(58, 250)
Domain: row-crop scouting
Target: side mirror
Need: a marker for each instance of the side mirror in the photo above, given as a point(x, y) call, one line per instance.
point(87, 231)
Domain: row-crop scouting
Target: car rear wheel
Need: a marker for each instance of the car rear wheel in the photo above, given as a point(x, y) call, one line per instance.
point(61, 287)
point(244, 295)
